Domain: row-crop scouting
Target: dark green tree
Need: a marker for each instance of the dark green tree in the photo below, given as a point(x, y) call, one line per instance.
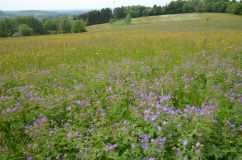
point(65, 26)
point(2, 30)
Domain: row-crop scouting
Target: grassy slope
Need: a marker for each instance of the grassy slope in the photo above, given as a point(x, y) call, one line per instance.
point(178, 22)
point(96, 89)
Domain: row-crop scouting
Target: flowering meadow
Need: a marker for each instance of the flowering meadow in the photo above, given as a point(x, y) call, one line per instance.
point(122, 94)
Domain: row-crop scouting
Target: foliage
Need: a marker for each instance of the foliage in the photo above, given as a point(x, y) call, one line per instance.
point(2, 30)
point(201, 6)
point(96, 16)
point(50, 25)
point(25, 30)
point(78, 26)
point(65, 26)
point(127, 19)
point(32, 22)
point(111, 21)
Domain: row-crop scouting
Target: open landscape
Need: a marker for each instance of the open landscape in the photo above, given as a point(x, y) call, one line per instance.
point(162, 87)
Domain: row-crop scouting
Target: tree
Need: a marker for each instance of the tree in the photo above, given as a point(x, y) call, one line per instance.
point(65, 26)
point(201, 6)
point(78, 26)
point(32, 22)
point(127, 19)
point(25, 30)
point(10, 26)
point(2, 30)
point(50, 26)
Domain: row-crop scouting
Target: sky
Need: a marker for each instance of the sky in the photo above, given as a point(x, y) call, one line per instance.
point(7, 5)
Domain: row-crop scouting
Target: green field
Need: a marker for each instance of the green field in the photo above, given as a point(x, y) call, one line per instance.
point(163, 87)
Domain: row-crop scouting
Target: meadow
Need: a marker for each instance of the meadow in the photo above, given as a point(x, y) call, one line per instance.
point(163, 87)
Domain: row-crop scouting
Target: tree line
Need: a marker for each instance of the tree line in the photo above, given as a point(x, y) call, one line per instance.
point(174, 7)
point(29, 25)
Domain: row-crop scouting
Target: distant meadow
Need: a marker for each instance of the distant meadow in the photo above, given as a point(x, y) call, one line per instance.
point(163, 87)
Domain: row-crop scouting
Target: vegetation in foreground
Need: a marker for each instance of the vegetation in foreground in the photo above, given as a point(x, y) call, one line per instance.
point(125, 94)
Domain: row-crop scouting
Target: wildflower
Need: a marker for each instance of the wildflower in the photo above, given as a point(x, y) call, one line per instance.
point(110, 146)
point(49, 145)
point(152, 117)
point(198, 151)
point(80, 84)
point(197, 144)
point(178, 125)
point(29, 158)
point(185, 158)
point(145, 117)
point(133, 146)
point(161, 140)
point(145, 146)
point(35, 134)
point(68, 135)
point(185, 142)
point(68, 108)
point(151, 158)
point(178, 153)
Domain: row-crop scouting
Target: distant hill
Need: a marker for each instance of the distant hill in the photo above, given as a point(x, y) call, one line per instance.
point(40, 14)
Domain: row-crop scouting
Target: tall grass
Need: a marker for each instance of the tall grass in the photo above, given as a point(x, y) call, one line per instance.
point(122, 94)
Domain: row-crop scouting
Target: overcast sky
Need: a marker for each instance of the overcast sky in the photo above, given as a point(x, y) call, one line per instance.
point(73, 4)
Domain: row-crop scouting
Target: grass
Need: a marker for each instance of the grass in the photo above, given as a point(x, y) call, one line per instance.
point(164, 87)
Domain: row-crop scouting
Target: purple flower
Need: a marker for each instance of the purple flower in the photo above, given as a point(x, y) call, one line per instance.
point(178, 153)
point(151, 158)
point(35, 134)
point(133, 146)
point(29, 158)
point(143, 136)
point(161, 140)
point(68, 135)
point(110, 146)
point(198, 151)
point(178, 125)
point(197, 144)
point(164, 123)
point(145, 146)
point(201, 112)
point(68, 108)
point(185, 142)
point(152, 117)
point(49, 145)
point(185, 158)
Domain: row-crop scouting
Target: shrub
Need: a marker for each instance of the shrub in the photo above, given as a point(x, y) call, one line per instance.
point(25, 30)
point(127, 19)
point(111, 21)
